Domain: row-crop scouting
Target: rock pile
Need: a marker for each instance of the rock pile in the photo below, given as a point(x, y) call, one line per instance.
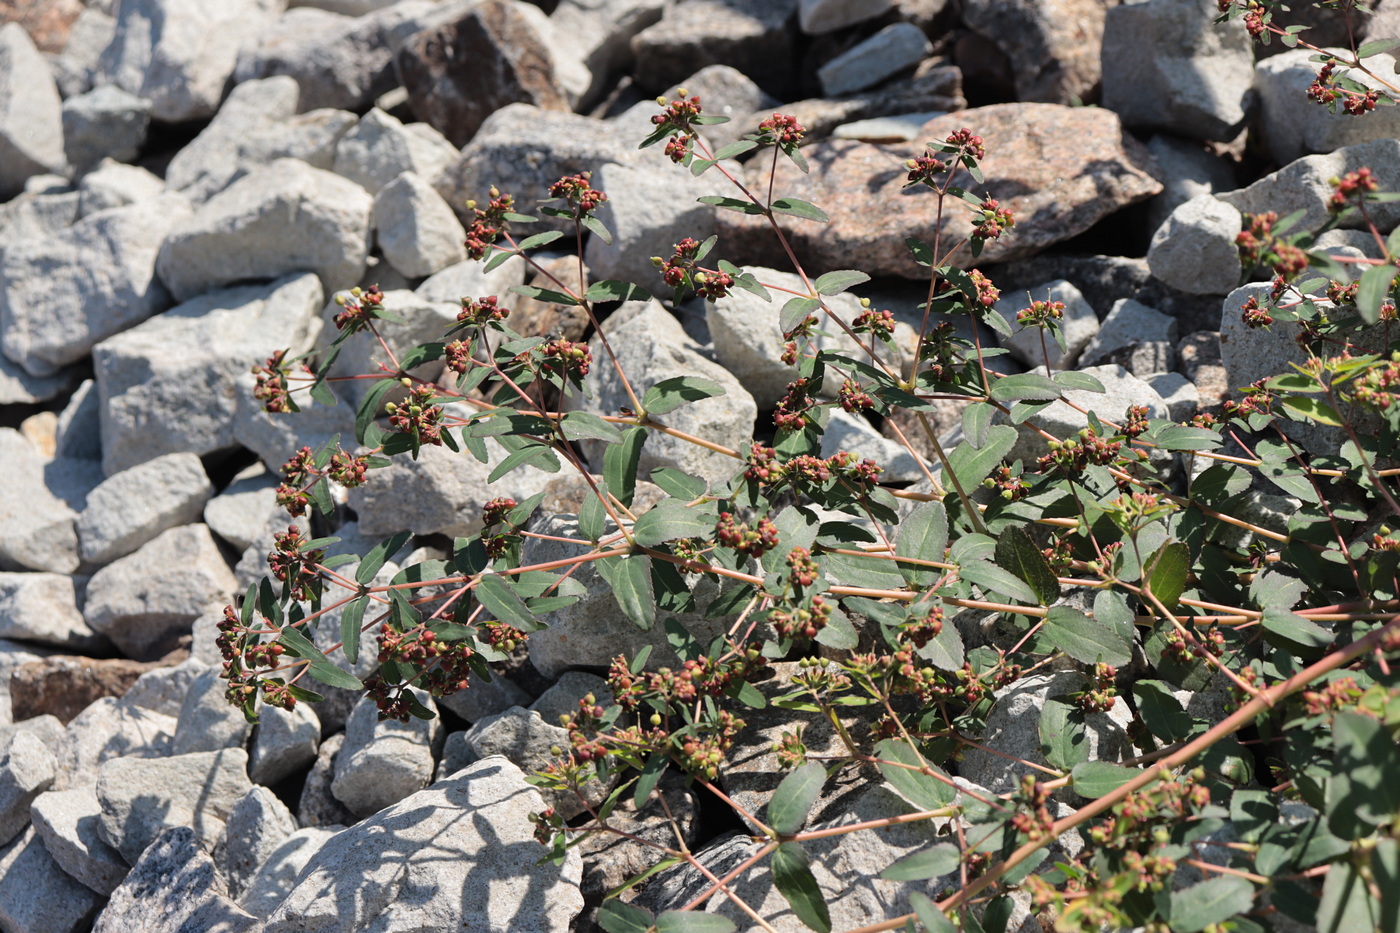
point(188, 185)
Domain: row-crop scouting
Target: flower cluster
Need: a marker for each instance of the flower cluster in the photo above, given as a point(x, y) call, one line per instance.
point(1376, 388)
point(991, 221)
point(1036, 822)
point(1008, 483)
point(297, 472)
point(801, 622)
point(1099, 697)
point(578, 192)
point(924, 170)
point(1074, 454)
point(488, 224)
point(295, 565)
point(568, 358)
point(1253, 315)
point(681, 270)
point(498, 542)
point(802, 567)
point(1040, 313)
point(478, 312)
point(1351, 188)
point(782, 129)
point(361, 306)
point(968, 142)
point(418, 416)
point(676, 118)
point(271, 388)
point(876, 323)
point(853, 398)
point(1325, 91)
point(348, 470)
point(740, 537)
point(446, 667)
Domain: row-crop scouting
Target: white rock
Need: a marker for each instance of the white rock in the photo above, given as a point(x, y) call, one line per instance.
point(281, 218)
point(1294, 125)
point(1194, 251)
point(256, 827)
point(383, 762)
point(79, 431)
point(106, 122)
point(280, 870)
point(43, 607)
point(68, 822)
point(143, 601)
point(141, 797)
point(109, 729)
point(62, 294)
point(889, 51)
point(1127, 323)
point(284, 743)
point(27, 769)
point(208, 722)
point(1185, 169)
point(31, 121)
point(1078, 326)
point(415, 229)
point(380, 148)
point(113, 184)
point(1059, 419)
point(147, 406)
point(129, 508)
point(1178, 392)
point(37, 215)
point(39, 503)
point(470, 279)
point(192, 895)
point(523, 737)
point(164, 689)
point(89, 35)
point(276, 437)
point(566, 693)
point(36, 896)
point(238, 512)
point(822, 16)
point(852, 433)
point(486, 858)
point(258, 124)
point(18, 387)
point(600, 31)
point(318, 806)
point(180, 55)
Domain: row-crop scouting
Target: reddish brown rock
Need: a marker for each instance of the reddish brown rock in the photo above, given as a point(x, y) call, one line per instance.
point(1059, 169)
point(462, 71)
point(46, 21)
point(65, 685)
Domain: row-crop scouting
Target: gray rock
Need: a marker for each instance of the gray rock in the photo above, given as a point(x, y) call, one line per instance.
point(592, 631)
point(208, 722)
point(822, 16)
point(46, 728)
point(651, 346)
point(75, 66)
point(284, 743)
point(279, 871)
point(853, 434)
point(1186, 169)
point(275, 437)
point(415, 229)
point(147, 406)
point(338, 60)
point(571, 687)
point(383, 762)
point(471, 279)
point(238, 512)
point(723, 90)
point(175, 886)
point(420, 321)
point(164, 689)
point(609, 860)
point(1079, 325)
point(109, 729)
point(318, 806)
point(1053, 48)
point(256, 827)
point(18, 387)
point(142, 797)
point(145, 600)
point(177, 55)
point(522, 150)
point(486, 857)
point(753, 36)
point(380, 148)
point(134, 506)
point(1294, 125)
point(600, 32)
point(43, 607)
point(68, 822)
point(456, 755)
point(523, 737)
point(36, 895)
point(78, 434)
point(484, 698)
point(1194, 250)
point(883, 55)
point(32, 216)
point(281, 218)
point(900, 128)
point(1013, 729)
point(1178, 392)
point(31, 121)
point(62, 294)
point(1168, 66)
point(1059, 419)
point(650, 207)
point(106, 122)
point(27, 769)
point(257, 125)
point(39, 504)
point(1129, 322)
point(112, 184)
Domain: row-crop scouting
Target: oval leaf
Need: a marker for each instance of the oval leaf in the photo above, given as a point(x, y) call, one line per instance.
point(792, 876)
point(669, 394)
point(926, 864)
point(922, 790)
point(670, 519)
point(693, 921)
point(1019, 554)
point(1093, 779)
point(1086, 639)
point(924, 535)
point(834, 283)
point(792, 801)
point(1063, 736)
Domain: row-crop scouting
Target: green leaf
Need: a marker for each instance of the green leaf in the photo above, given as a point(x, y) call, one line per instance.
point(630, 579)
point(1252, 812)
point(796, 207)
point(924, 535)
point(379, 555)
point(1018, 553)
point(1346, 905)
point(669, 394)
point(322, 668)
point(1161, 711)
point(1201, 905)
point(578, 425)
point(1376, 47)
point(834, 283)
point(1025, 386)
point(1070, 379)
point(369, 407)
point(620, 463)
point(925, 864)
point(795, 311)
point(1314, 408)
point(731, 204)
point(1085, 639)
point(670, 519)
point(350, 618)
point(614, 290)
point(972, 464)
point(539, 239)
point(933, 919)
point(792, 801)
point(1093, 779)
point(1371, 292)
point(997, 580)
point(792, 876)
point(922, 790)
point(536, 455)
point(677, 484)
point(693, 921)
point(1180, 437)
point(838, 632)
point(617, 917)
point(547, 295)
point(1166, 573)
point(1063, 737)
point(1284, 629)
point(502, 602)
point(598, 228)
point(976, 419)
point(735, 149)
